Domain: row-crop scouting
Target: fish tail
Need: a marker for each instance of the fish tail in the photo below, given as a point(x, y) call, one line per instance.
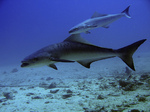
point(126, 53)
point(126, 12)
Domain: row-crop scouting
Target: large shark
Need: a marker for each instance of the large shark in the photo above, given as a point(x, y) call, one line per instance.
point(75, 48)
point(98, 20)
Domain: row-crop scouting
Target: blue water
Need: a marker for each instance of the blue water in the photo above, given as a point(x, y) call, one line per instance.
point(28, 25)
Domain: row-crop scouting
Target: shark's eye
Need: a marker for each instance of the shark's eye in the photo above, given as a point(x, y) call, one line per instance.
point(75, 29)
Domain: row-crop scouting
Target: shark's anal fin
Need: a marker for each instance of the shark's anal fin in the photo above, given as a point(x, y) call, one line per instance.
point(53, 66)
point(85, 63)
point(60, 60)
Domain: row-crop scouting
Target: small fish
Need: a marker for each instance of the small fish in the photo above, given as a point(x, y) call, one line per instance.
point(98, 20)
point(75, 48)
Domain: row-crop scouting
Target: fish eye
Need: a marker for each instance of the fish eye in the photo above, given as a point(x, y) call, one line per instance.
point(75, 29)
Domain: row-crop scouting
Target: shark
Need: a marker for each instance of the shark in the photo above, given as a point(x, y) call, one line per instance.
point(98, 20)
point(77, 49)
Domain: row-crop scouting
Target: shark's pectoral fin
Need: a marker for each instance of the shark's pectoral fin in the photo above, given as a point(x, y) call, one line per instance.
point(90, 26)
point(53, 66)
point(60, 60)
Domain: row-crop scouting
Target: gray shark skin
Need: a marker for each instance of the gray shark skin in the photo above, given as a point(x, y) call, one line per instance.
point(98, 20)
point(75, 48)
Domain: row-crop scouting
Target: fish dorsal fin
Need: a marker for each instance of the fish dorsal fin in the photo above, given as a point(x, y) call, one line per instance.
point(96, 14)
point(76, 38)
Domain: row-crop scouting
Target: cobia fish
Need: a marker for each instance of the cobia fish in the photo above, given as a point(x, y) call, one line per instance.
point(98, 20)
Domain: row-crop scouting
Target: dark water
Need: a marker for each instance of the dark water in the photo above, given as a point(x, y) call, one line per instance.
point(28, 25)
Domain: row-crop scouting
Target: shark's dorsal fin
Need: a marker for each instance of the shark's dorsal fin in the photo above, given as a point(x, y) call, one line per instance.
point(77, 38)
point(96, 14)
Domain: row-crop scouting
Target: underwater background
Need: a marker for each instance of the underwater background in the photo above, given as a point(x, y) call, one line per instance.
point(108, 86)
point(28, 25)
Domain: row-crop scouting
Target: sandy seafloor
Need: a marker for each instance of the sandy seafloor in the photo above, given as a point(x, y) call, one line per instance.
point(105, 87)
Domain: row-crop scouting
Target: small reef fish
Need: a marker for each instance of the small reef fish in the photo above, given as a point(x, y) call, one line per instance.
point(75, 48)
point(98, 20)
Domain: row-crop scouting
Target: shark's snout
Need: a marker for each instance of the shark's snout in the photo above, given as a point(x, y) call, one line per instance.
point(24, 64)
point(74, 30)
point(71, 32)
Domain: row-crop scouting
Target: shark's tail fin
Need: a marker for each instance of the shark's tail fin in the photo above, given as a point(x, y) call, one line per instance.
point(126, 12)
point(126, 53)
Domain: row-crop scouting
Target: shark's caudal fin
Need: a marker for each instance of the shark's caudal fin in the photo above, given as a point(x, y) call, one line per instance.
point(126, 12)
point(127, 52)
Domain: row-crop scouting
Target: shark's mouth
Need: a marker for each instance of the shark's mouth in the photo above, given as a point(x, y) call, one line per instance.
point(24, 64)
point(70, 31)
